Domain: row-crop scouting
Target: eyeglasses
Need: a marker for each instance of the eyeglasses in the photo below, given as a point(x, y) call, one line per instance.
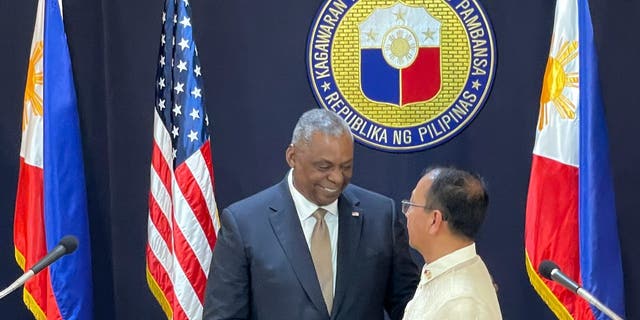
point(406, 204)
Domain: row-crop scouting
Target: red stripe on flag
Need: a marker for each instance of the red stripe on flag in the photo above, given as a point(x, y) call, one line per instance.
point(205, 150)
point(163, 280)
point(160, 221)
point(28, 228)
point(161, 167)
point(189, 263)
point(29, 238)
point(551, 231)
point(196, 200)
point(45, 300)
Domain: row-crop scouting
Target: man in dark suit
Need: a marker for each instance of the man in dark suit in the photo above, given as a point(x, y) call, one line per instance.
point(312, 246)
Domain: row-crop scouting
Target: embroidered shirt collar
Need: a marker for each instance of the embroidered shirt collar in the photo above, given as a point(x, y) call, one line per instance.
point(432, 270)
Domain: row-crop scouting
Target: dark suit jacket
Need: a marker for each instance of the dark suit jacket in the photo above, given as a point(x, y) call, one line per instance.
point(262, 267)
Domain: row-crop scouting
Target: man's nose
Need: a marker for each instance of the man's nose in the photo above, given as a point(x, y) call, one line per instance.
point(336, 176)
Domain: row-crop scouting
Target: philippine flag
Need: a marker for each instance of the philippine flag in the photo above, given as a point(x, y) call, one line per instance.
point(571, 216)
point(400, 55)
point(51, 197)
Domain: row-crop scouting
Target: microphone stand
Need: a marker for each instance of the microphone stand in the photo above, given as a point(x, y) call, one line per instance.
point(17, 284)
point(67, 244)
point(596, 303)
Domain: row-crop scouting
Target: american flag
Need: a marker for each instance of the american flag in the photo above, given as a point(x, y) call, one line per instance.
point(183, 219)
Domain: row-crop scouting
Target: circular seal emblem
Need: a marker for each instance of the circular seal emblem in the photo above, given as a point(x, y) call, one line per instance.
point(405, 75)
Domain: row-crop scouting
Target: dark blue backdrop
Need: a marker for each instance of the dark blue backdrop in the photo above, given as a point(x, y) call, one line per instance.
point(253, 57)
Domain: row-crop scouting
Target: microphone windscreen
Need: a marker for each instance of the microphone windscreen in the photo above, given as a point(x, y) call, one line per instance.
point(545, 268)
point(69, 242)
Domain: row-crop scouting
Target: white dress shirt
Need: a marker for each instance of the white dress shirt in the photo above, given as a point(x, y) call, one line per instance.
point(305, 209)
point(456, 286)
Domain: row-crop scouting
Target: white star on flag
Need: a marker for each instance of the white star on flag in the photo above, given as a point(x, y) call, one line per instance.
point(179, 87)
point(195, 114)
point(182, 66)
point(186, 22)
point(175, 131)
point(193, 136)
point(176, 109)
point(183, 44)
point(196, 92)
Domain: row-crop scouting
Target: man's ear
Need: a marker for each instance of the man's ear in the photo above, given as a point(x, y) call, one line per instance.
point(436, 223)
point(289, 155)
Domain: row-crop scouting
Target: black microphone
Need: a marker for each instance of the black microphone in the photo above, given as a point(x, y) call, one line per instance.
point(551, 271)
point(66, 245)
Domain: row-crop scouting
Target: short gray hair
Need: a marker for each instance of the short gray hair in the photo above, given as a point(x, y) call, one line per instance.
point(319, 120)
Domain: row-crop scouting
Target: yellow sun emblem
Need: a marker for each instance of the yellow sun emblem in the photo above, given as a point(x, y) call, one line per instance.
point(32, 99)
point(556, 78)
point(400, 47)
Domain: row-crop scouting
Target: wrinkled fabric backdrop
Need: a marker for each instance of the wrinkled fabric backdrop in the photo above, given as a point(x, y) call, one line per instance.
point(253, 59)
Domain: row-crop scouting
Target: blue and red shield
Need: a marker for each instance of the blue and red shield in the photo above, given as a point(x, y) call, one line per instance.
point(400, 55)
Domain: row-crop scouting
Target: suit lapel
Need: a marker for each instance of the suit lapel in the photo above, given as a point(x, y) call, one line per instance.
point(350, 217)
point(286, 225)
